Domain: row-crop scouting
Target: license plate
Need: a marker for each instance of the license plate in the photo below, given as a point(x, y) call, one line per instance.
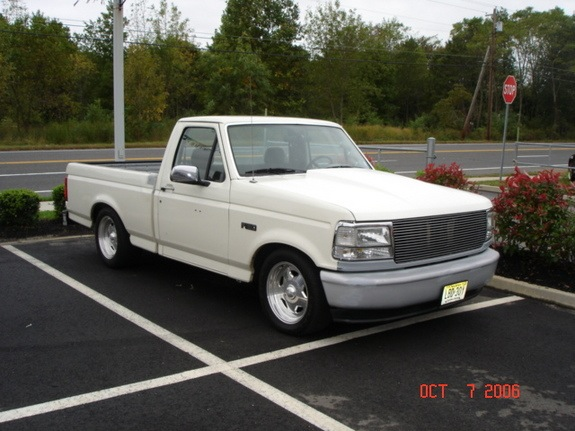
point(454, 292)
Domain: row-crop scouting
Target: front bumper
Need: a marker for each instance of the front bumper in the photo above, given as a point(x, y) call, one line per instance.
point(407, 288)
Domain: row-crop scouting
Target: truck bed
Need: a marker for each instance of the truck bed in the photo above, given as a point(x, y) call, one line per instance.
point(126, 187)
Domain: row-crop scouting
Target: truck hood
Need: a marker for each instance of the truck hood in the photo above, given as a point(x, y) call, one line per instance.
point(369, 195)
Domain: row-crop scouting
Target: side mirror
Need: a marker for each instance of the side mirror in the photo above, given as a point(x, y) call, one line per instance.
point(187, 175)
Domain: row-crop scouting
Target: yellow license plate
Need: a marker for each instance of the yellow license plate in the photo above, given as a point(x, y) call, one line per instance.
point(454, 292)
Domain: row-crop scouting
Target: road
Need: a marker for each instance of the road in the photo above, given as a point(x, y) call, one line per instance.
point(41, 171)
point(166, 346)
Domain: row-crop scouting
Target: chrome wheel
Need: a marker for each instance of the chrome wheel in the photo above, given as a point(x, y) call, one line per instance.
point(112, 239)
point(287, 293)
point(291, 293)
point(107, 237)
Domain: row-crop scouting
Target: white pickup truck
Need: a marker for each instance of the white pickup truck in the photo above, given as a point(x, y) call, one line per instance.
point(293, 206)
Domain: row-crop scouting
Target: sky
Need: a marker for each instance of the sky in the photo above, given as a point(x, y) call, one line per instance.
point(429, 18)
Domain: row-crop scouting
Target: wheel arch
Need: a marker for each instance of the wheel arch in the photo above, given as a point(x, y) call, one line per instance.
point(294, 304)
point(99, 206)
point(266, 249)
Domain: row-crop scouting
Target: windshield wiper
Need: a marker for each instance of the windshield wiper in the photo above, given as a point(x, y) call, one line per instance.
point(272, 171)
point(337, 166)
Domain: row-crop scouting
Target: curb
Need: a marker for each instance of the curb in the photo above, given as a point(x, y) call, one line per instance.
point(534, 291)
point(46, 206)
point(486, 188)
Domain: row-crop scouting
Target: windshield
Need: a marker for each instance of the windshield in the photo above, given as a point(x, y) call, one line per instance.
point(273, 149)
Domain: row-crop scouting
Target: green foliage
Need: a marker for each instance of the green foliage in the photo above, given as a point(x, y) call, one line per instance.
point(239, 83)
point(95, 113)
point(533, 214)
point(263, 58)
point(348, 73)
point(259, 38)
point(19, 207)
point(450, 112)
point(78, 132)
point(59, 199)
point(378, 133)
point(42, 71)
point(443, 175)
point(146, 97)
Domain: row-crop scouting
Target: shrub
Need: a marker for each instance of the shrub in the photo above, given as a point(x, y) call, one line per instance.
point(58, 198)
point(19, 207)
point(532, 213)
point(449, 176)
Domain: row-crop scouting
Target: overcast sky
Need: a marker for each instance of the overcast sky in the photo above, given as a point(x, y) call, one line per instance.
point(423, 17)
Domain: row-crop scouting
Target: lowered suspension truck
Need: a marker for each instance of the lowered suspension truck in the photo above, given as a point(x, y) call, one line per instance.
point(293, 206)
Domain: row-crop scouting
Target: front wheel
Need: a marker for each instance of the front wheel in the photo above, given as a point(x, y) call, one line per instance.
point(112, 239)
point(291, 293)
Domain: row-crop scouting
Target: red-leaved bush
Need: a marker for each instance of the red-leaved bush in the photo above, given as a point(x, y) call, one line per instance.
point(449, 176)
point(532, 213)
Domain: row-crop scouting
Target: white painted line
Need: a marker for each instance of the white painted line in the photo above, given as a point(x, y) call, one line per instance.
point(105, 394)
point(532, 156)
point(282, 399)
point(326, 342)
point(215, 364)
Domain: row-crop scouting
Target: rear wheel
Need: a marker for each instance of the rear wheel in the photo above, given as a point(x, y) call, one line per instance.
point(291, 293)
point(112, 239)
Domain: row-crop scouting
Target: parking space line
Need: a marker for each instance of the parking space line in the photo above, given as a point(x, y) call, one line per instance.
point(215, 364)
point(385, 327)
point(280, 398)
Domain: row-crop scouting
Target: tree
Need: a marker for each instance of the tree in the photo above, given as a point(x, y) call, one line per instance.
point(176, 57)
point(451, 111)
point(5, 67)
point(145, 94)
point(13, 10)
point(411, 80)
point(235, 82)
point(168, 22)
point(460, 61)
point(267, 29)
point(97, 43)
point(346, 59)
point(545, 55)
point(41, 57)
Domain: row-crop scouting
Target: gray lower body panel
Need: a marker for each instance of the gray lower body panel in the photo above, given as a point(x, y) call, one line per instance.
point(404, 288)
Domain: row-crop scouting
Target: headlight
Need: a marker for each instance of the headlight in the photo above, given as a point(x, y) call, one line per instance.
point(490, 225)
point(363, 241)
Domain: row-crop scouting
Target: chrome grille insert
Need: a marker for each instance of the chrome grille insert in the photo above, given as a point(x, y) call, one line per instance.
point(438, 236)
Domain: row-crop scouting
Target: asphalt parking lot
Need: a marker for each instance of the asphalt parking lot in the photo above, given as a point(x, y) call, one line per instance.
point(166, 346)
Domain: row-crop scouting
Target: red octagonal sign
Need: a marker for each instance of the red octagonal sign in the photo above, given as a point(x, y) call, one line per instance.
point(509, 89)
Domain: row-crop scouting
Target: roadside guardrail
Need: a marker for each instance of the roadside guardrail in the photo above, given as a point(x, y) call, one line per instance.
point(429, 150)
point(545, 161)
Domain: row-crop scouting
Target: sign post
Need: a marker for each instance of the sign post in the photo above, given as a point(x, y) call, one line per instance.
point(509, 94)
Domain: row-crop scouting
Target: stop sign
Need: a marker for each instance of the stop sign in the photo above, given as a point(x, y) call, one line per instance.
point(509, 89)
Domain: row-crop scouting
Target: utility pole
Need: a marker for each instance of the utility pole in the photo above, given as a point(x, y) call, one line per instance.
point(467, 124)
point(118, 50)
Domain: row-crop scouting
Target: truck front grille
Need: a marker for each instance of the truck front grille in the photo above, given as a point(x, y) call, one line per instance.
point(438, 236)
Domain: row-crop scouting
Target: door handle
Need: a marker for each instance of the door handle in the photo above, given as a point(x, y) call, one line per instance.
point(167, 188)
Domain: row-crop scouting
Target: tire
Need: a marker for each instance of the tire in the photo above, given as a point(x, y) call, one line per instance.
point(112, 239)
point(291, 293)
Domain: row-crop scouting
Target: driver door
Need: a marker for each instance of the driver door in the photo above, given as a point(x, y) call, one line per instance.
point(193, 218)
